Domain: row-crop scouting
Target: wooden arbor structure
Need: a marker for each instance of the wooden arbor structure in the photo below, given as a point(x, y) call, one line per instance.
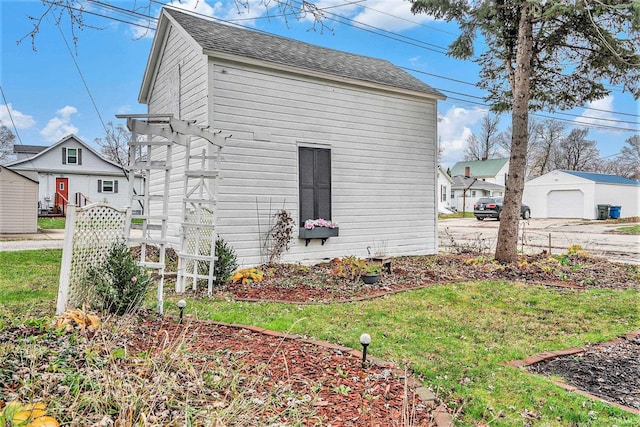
point(152, 153)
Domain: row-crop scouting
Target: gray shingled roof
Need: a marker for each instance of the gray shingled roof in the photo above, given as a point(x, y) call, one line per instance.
point(30, 149)
point(216, 37)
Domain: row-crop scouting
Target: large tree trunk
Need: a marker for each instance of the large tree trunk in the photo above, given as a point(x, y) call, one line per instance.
point(507, 245)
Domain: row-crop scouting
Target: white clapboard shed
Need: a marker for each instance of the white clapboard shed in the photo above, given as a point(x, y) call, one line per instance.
point(318, 132)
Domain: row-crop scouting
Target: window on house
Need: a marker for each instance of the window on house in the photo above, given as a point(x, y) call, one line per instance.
point(71, 156)
point(444, 194)
point(473, 193)
point(107, 186)
point(314, 170)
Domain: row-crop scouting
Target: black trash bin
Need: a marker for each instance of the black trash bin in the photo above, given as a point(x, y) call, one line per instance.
point(603, 211)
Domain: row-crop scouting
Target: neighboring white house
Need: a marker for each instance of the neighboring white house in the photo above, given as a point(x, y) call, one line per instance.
point(444, 191)
point(18, 203)
point(70, 171)
point(466, 191)
point(494, 171)
point(318, 132)
point(572, 194)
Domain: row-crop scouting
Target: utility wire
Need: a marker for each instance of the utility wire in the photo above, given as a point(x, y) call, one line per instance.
point(13, 123)
point(410, 21)
point(15, 128)
point(84, 82)
point(399, 38)
point(580, 123)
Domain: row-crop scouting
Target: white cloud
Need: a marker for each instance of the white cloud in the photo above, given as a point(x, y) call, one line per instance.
point(124, 109)
point(391, 15)
point(21, 120)
point(197, 6)
point(590, 117)
point(144, 29)
point(255, 9)
point(454, 127)
point(60, 126)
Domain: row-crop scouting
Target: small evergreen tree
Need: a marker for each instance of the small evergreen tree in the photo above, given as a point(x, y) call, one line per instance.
point(120, 283)
point(226, 262)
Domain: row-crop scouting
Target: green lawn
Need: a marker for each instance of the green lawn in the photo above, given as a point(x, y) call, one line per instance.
point(631, 229)
point(59, 223)
point(51, 223)
point(456, 215)
point(455, 337)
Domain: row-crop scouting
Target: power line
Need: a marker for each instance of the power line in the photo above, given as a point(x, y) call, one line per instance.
point(393, 36)
point(580, 123)
point(13, 123)
point(410, 21)
point(84, 82)
point(474, 84)
point(439, 76)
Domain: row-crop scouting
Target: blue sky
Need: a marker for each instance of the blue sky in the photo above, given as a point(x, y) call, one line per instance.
point(62, 88)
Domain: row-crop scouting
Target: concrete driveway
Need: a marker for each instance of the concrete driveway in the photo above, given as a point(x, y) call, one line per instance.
point(536, 235)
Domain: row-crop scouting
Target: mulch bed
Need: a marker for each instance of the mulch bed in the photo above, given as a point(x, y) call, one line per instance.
point(601, 370)
point(610, 371)
point(605, 371)
point(315, 284)
point(328, 377)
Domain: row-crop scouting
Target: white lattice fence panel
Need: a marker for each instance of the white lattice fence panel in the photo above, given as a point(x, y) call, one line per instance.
point(90, 233)
point(197, 256)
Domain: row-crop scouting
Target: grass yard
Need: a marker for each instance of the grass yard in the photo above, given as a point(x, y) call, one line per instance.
point(455, 337)
point(59, 223)
point(456, 215)
point(631, 229)
point(51, 223)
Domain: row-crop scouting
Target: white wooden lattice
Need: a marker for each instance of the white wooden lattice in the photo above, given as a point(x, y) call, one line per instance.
point(150, 153)
point(153, 153)
point(90, 231)
point(196, 261)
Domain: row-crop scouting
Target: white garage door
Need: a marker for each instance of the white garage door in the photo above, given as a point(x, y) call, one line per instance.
point(565, 204)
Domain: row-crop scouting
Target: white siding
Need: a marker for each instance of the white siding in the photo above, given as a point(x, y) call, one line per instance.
point(181, 65)
point(18, 203)
point(382, 149)
point(625, 196)
point(536, 195)
point(539, 191)
point(383, 163)
point(500, 177)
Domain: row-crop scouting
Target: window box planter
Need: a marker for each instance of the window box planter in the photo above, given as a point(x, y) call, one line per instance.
point(317, 233)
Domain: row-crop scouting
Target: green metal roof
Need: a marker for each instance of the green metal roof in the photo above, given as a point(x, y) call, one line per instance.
point(479, 168)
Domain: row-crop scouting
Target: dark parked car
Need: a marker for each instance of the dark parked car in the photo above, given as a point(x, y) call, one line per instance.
point(491, 207)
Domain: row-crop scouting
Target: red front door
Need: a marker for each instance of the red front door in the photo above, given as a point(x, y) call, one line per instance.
point(62, 193)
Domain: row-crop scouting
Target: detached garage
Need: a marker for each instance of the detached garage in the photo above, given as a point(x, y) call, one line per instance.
point(18, 203)
point(573, 194)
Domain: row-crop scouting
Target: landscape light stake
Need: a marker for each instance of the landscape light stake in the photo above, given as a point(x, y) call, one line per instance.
point(365, 340)
point(181, 305)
